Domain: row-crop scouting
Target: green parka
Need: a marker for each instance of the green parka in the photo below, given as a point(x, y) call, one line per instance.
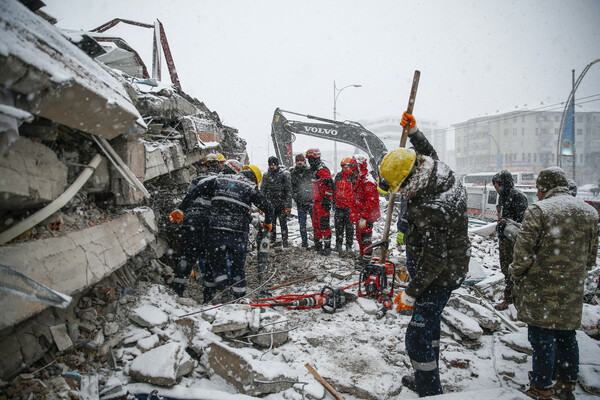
point(557, 243)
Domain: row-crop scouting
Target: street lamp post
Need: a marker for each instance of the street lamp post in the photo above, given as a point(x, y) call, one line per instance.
point(336, 93)
point(498, 154)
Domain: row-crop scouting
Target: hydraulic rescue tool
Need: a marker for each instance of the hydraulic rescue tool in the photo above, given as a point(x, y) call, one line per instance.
point(329, 299)
point(263, 248)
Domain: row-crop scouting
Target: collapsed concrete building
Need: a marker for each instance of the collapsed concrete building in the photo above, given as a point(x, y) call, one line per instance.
point(80, 144)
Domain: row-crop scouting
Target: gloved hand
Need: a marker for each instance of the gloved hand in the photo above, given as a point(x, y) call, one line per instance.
point(326, 203)
point(176, 216)
point(411, 121)
point(500, 225)
point(362, 223)
point(404, 301)
point(265, 225)
point(287, 211)
point(400, 238)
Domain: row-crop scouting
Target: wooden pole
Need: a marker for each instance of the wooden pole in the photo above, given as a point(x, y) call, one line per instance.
point(323, 382)
point(393, 191)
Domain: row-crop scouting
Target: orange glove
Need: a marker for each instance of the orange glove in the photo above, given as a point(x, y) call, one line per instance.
point(287, 211)
point(176, 216)
point(404, 301)
point(410, 120)
point(265, 225)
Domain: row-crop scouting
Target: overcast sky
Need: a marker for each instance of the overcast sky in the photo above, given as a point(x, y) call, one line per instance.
point(245, 58)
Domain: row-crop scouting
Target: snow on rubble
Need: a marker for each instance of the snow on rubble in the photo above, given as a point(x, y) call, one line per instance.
point(207, 352)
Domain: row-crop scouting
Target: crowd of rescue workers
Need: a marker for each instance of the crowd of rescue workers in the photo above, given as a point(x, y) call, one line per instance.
point(545, 249)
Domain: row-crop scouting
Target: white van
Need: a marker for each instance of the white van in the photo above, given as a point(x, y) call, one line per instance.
point(483, 199)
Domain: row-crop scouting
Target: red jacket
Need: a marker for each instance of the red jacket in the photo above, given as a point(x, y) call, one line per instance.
point(322, 183)
point(344, 190)
point(366, 196)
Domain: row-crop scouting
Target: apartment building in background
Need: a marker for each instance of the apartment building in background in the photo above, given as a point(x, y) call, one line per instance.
point(388, 129)
point(527, 141)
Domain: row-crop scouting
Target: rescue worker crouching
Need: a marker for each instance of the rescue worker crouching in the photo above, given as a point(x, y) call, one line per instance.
point(229, 219)
point(194, 237)
point(439, 242)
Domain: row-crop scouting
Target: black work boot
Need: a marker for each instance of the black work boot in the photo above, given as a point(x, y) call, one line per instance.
point(178, 288)
point(326, 248)
point(409, 382)
point(318, 246)
point(338, 247)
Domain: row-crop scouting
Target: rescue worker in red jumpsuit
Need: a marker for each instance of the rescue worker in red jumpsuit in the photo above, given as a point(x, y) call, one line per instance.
point(344, 197)
point(365, 209)
point(322, 200)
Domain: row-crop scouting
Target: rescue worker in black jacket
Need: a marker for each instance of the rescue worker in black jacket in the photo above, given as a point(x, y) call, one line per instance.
point(229, 219)
point(277, 187)
point(439, 243)
point(194, 240)
point(511, 205)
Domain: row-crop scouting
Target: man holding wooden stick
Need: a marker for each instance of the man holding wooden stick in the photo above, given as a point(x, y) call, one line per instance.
point(439, 243)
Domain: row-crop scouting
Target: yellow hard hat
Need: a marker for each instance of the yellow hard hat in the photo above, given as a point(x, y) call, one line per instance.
point(256, 171)
point(397, 165)
point(220, 157)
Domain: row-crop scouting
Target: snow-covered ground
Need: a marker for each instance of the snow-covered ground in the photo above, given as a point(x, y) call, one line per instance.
point(483, 354)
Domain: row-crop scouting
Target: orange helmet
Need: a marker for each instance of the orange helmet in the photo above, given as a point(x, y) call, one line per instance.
point(345, 161)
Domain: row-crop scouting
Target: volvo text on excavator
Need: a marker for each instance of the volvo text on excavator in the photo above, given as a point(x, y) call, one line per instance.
point(284, 131)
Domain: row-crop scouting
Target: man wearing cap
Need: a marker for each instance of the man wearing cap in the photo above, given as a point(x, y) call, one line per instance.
point(277, 187)
point(439, 242)
point(322, 201)
point(301, 177)
point(557, 244)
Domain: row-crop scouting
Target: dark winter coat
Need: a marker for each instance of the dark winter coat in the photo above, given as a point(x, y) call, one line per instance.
point(277, 187)
point(557, 243)
point(366, 196)
point(301, 178)
point(511, 202)
point(437, 216)
point(199, 204)
point(343, 189)
point(231, 199)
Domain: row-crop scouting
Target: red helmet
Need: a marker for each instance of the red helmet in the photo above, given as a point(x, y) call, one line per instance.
point(313, 153)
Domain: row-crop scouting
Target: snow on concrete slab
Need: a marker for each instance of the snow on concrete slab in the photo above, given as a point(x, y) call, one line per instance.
point(149, 316)
point(148, 343)
point(161, 366)
point(232, 319)
point(590, 321)
point(517, 341)
point(187, 393)
point(589, 350)
point(496, 394)
point(467, 326)
point(134, 333)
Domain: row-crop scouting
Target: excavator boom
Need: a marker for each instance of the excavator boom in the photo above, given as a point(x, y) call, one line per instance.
point(284, 131)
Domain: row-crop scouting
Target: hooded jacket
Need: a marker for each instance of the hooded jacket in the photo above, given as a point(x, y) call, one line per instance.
point(438, 224)
point(511, 202)
point(557, 243)
point(366, 196)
